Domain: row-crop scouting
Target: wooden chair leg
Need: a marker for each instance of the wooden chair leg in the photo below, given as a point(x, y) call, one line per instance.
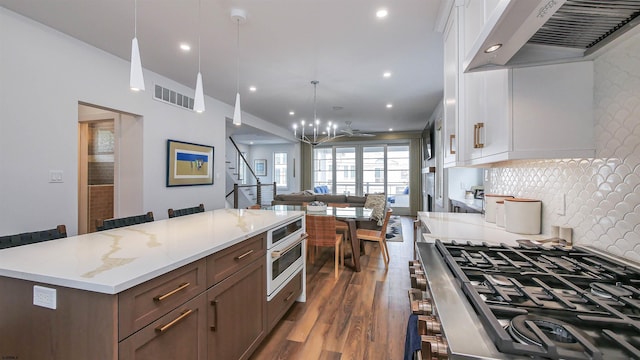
point(385, 249)
point(336, 261)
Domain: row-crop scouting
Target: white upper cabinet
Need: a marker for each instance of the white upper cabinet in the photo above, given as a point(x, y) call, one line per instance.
point(540, 112)
point(451, 86)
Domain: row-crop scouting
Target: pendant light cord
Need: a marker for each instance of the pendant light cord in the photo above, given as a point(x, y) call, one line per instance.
point(135, 18)
point(238, 58)
point(199, 35)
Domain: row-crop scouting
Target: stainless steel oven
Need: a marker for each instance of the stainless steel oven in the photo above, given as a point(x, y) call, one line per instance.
point(286, 249)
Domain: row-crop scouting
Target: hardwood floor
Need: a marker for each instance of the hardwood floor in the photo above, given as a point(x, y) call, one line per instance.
point(357, 316)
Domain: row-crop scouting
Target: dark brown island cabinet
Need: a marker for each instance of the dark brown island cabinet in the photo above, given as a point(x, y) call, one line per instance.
point(213, 308)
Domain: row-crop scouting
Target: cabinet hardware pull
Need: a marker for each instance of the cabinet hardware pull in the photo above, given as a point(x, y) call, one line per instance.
point(289, 297)
point(451, 137)
point(278, 253)
point(480, 126)
point(214, 303)
point(475, 136)
point(166, 327)
point(244, 255)
point(180, 287)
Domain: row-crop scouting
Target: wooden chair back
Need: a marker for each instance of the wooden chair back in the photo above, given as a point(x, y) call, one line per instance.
point(185, 211)
point(385, 223)
point(321, 230)
point(125, 221)
point(8, 241)
point(255, 207)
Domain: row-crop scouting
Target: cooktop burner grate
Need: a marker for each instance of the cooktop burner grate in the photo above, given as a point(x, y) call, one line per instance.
point(558, 303)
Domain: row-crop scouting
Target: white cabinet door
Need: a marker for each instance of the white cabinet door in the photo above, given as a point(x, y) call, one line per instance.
point(451, 69)
point(495, 135)
point(474, 114)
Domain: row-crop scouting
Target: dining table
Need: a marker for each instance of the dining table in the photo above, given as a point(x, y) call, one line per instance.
point(350, 215)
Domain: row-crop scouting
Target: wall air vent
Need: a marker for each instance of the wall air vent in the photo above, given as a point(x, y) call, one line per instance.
point(172, 97)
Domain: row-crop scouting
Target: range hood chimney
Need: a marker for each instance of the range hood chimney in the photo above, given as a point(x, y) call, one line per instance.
point(536, 32)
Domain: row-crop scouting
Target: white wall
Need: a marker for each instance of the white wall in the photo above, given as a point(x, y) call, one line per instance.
point(461, 180)
point(602, 194)
point(43, 76)
point(266, 152)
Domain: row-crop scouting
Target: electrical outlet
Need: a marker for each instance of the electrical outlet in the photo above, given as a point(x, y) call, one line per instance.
point(45, 297)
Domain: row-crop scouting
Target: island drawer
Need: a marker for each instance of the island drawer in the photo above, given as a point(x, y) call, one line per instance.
point(150, 300)
point(228, 261)
point(279, 305)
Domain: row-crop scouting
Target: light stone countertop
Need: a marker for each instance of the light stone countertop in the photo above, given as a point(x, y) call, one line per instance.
point(115, 260)
point(475, 204)
point(463, 227)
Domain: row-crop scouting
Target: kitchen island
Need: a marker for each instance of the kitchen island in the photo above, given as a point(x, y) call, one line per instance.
point(157, 290)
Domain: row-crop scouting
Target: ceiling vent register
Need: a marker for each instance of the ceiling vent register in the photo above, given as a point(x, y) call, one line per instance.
point(172, 97)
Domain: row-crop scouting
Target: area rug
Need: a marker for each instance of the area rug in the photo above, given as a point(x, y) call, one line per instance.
point(394, 229)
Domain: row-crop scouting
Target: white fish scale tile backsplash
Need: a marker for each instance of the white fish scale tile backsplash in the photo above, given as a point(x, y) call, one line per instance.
point(602, 194)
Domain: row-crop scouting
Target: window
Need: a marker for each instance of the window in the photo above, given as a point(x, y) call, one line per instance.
point(280, 169)
point(323, 167)
point(365, 169)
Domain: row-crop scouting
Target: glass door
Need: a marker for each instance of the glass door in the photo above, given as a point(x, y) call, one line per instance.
point(346, 174)
point(373, 170)
point(398, 176)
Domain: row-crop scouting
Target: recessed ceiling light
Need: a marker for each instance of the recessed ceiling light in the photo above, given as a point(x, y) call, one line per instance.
point(390, 129)
point(387, 74)
point(389, 106)
point(493, 48)
point(381, 13)
point(292, 113)
point(250, 142)
point(252, 88)
point(185, 47)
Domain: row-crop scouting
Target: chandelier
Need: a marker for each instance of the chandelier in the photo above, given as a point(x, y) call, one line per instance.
point(313, 133)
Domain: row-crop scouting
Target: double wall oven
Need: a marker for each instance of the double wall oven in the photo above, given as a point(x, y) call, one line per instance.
point(286, 248)
point(481, 301)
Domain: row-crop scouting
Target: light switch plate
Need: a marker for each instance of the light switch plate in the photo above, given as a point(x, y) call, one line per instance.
point(55, 176)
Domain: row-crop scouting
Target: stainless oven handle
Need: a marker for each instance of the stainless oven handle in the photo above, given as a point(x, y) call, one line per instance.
point(277, 253)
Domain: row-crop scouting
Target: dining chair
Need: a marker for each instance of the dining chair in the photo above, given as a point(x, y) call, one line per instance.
point(379, 236)
point(322, 233)
point(8, 241)
point(185, 211)
point(255, 207)
point(341, 226)
point(125, 221)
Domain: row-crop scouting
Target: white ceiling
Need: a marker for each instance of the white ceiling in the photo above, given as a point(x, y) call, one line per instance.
point(284, 44)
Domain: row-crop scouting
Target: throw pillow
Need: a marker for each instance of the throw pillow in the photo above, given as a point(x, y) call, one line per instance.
point(376, 202)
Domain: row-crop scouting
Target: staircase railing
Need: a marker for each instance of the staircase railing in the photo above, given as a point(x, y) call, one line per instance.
point(260, 199)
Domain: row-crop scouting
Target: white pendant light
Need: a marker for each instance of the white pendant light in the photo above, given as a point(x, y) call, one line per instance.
point(136, 80)
point(238, 15)
point(198, 101)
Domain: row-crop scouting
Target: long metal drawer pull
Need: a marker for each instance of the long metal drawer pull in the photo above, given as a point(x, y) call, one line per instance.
point(277, 253)
point(214, 303)
point(164, 328)
point(244, 255)
point(475, 136)
point(451, 137)
point(480, 126)
point(162, 297)
point(289, 297)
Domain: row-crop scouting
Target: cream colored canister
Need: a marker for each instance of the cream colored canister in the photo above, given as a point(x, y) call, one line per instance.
point(522, 216)
point(500, 213)
point(490, 206)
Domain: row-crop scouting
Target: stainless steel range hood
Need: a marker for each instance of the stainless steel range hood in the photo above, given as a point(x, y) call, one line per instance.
point(535, 32)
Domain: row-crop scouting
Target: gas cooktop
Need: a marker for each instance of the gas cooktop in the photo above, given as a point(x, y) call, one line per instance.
point(554, 303)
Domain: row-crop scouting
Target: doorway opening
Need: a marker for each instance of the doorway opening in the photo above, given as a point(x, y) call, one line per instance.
point(109, 165)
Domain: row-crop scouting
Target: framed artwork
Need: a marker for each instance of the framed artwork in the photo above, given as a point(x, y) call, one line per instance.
point(260, 166)
point(189, 164)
